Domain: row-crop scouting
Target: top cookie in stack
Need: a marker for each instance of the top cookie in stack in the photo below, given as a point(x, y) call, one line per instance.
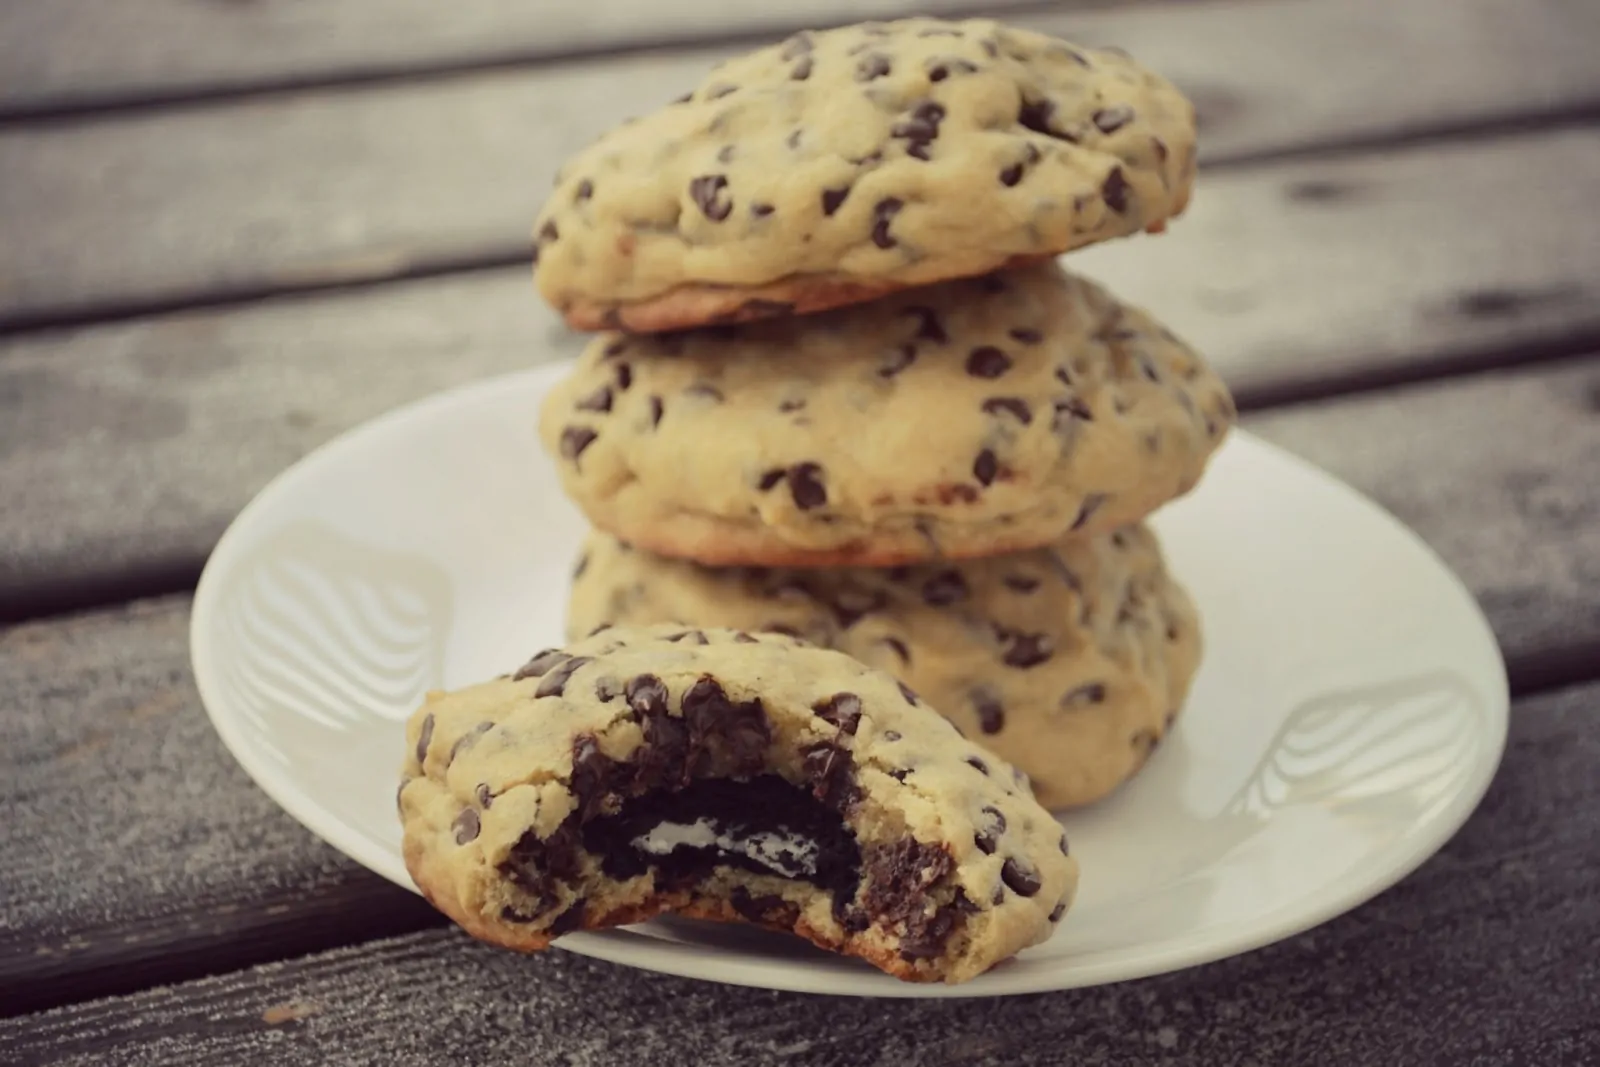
point(840, 166)
point(838, 354)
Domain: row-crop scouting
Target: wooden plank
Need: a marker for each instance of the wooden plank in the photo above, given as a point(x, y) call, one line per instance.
point(62, 55)
point(1290, 294)
point(145, 211)
point(1482, 956)
point(133, 845)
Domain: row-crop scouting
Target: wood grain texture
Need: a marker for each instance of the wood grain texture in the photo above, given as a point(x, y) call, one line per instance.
point(135, 212)
point(1498, 473)
point(135, 850)
point(126, 448)
point(1482, 957)
point(66, 54)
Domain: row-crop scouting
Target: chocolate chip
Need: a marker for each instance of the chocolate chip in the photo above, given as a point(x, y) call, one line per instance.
point(801, 71)
point(831, 771)
point(599, 400)
point(1112, 119)
point(873, 66)
point(646, 695)
point(593, 776)
point(693, 637)
point(574, 439)
point(554, 683)
point(1035, 115)
point(987, 362)
point(883, 213)
point(902, 358)
point(940, 71)
point(985, 468)
point(467, 740)
point(569, 920)
point(761, 210)
point(1014, 406)
point(793, 140)
point(539, 664)
point(655, 411)
point(706, 191)
point(424, 738)
point(805, 485)
point(758, 909)
point(742, 638)
point(791, 405)
point(1083, 695)
point(1028, 650)
point(921, 129)
point(614, 348)
point(483, 796)
point(1065, 411)
point(991, 824)
point(906, 691)
point(1026, 336)
point(978, 765)
point(842, 710)
point(1011, 175)
point(737, 732)
point(771, 478)
point(1091, 504)
point(663, 759)
point(548, 231)
point(991, 713)
point(1115, 191)
point(585, 191)
point(1062, 844)
point(1019, 875)
point(929, 327)
point(466, 826)
point(832, 198)
point(624, 375)
point(1057, 912)
point(1159, 147)
point(899, 648)
point(943, 588)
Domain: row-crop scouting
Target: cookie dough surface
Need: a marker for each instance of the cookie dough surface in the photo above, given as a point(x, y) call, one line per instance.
point(842, 164)
point(978, 416)
point(1070, 661)
point(726, 775)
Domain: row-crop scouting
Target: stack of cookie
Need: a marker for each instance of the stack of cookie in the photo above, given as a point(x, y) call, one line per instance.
point(844, 390)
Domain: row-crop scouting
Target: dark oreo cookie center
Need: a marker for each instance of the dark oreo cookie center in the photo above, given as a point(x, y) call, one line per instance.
point(763, 825)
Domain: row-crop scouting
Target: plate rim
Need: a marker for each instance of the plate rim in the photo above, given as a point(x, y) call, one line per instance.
point(623, 946)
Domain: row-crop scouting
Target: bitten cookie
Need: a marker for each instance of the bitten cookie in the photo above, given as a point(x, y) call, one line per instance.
point(979, 416)
point(844, 164)
point(1069, 661)
point(727, 776)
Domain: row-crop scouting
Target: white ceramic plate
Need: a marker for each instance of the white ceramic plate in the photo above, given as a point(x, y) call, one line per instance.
point(1349, 715)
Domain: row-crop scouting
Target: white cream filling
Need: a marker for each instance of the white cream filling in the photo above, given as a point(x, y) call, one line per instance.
point(782, 853)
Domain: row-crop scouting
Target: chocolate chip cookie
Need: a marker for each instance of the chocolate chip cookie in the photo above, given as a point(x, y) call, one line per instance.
point(841, 165)
point(978, 416)
point(725, 775)
point(1070, 661)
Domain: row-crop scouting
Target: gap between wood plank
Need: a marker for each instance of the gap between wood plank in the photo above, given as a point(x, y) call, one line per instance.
point(70, 106)
point(355, 276)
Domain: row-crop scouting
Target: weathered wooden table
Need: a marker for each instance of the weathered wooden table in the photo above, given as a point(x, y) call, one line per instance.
point(232, 230)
